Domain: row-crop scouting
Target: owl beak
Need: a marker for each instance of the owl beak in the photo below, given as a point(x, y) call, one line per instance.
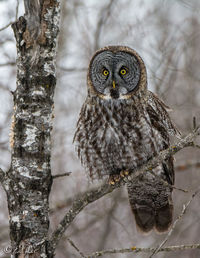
point(113, 84)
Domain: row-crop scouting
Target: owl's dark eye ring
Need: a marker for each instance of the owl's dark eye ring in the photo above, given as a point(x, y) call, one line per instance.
point(105, 72)
point(123, 71)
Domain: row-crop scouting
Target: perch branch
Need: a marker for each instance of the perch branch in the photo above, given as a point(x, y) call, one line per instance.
point(96, 193)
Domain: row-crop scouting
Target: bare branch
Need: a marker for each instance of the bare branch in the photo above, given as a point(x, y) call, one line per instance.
point(180, 189)
point(185, 206)
point(62, 175)
point(188, 165)
point(8, 63)
point(72, 69)
point(96, 193)
point(17, 10)
point(77, 206)
point(6, 26)
point(135, 249)
point(16, 16)
point(75, 247)
point(2, 175)
point(105, 13)
point(194, 123)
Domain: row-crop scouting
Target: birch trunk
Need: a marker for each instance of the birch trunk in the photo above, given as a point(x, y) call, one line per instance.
point(28, 181)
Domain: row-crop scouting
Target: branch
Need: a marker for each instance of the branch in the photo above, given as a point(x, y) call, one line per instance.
point(67, 202)
point(185, 206)
point(6, 26)
point(77, 206)
point(16, 15)
point(61, 175)
point(17, 10)
point(8, 63)
point(81, 202)
point(75, 247)
point(2, 176)
point(135, 249)
point(188, 165)
point(105, 13)
point(71, 69)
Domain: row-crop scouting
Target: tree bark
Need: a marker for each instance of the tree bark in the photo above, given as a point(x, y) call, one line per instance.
point(28, 181)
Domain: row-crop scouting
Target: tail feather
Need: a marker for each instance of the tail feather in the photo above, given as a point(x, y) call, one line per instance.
point(151, 203)
point(144, 217)
point(163, 217)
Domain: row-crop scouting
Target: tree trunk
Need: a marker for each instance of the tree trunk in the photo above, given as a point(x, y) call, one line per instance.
point(28, 181)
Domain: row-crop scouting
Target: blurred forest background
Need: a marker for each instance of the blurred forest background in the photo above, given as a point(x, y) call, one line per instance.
point(166, 34)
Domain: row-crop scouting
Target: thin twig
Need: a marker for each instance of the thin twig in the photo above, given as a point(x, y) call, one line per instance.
point(6, 26)
point(62, 175)
point(16, 16)
point(180, 189)
point(2, 175)
point(188, 164)
point(92, 195)
point(135, 249)
point(194, 123)
point(17, 10)
point(104, 15)
point(196, 128)
point(185, 206)
point(8, 63)
point(75, 247)
point(71, 69)
point(168, 185)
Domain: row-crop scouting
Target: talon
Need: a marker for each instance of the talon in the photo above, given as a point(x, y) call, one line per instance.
point(117, 178)
point(114, 179)
point(122, 174)
point(126, 173)
point(111, 182)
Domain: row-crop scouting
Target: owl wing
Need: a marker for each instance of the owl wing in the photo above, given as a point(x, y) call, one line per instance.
point(158, 108)
point(161, 121)
point(151, 199)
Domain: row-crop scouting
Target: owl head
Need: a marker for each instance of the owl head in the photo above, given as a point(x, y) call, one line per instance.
point(116, 72)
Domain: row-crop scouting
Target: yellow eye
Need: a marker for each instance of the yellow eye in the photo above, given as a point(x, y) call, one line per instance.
point(123, 71)
point(105, 72)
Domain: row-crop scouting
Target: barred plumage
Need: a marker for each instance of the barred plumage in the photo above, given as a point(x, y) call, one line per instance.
point(121, 126)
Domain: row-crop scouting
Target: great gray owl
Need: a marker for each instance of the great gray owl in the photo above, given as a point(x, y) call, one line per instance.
point(121, 126)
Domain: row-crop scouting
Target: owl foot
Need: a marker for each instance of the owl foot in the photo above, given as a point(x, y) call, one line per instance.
point(113, 179)
point(124, 173)
point(116, 178)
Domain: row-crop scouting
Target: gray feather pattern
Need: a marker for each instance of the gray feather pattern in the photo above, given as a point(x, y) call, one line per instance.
point(118, 134)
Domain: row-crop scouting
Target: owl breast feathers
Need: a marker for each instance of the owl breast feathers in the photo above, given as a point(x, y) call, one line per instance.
point(121, 126)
